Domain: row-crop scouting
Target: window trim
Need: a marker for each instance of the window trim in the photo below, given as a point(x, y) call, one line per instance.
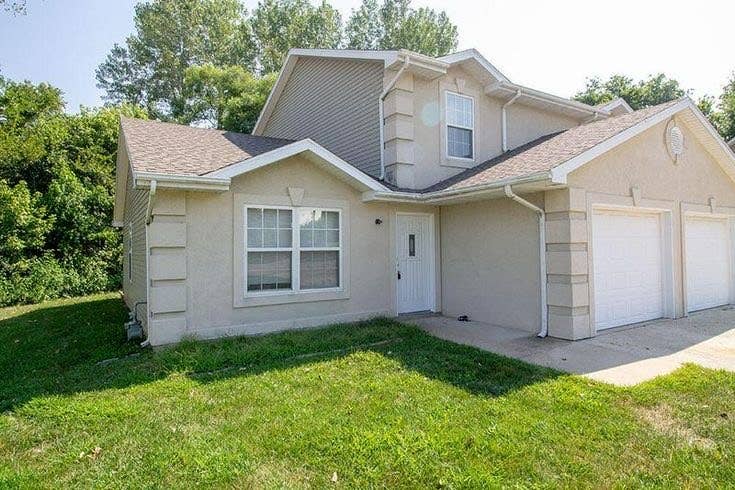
point(295, 249)
point(447, 93)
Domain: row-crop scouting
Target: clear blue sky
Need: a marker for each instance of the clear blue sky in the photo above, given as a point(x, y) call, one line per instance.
point(549, 46)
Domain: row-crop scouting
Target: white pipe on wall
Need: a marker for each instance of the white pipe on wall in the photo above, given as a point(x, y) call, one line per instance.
point(544, 330)
point(504, 119)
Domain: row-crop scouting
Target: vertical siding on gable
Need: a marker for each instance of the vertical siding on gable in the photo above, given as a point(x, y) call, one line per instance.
point(335, 103)
point(136, 202)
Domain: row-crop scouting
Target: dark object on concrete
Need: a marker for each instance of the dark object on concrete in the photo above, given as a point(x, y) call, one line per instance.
point(463, 318)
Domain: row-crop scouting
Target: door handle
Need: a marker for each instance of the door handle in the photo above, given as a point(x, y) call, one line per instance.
point(399, 275)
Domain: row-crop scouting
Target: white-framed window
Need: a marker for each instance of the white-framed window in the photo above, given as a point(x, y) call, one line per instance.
point(292, 249)
point(460, 118)
point(130, 252)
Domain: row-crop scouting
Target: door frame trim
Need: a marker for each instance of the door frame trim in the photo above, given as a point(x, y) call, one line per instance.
point(432, 257)
point(665, 216)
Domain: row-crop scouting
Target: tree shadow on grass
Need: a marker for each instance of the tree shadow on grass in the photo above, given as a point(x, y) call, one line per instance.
point(79, 346)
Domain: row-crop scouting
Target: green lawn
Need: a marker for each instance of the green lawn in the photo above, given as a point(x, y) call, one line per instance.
point(376, 404)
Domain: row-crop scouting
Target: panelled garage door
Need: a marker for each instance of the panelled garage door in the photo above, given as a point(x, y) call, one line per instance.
point(707, 263)
point(627, 261)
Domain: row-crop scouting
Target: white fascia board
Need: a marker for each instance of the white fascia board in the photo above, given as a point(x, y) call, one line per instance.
point(437, 197)
point(530, 93)
point(301, 146)
point(270, 102)
point(560, 172)
point(142, 180)
point(713, 132)
point(467, 54)
point(387, 56)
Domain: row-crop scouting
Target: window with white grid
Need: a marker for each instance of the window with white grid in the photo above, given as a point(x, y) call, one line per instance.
point(292, 249)
point(460, 117)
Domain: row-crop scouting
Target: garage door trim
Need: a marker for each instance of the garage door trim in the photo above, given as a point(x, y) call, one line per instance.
point(667, 253)
point(730, 221)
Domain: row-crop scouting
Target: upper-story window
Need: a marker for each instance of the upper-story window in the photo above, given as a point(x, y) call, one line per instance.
point(460, 126)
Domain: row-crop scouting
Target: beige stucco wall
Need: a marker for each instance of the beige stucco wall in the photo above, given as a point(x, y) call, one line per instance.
point(638, 174)
point(212, 246)
point(490, 262)
point(430, 162)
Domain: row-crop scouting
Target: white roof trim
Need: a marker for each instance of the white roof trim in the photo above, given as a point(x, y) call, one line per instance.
point(560, 172)
point(473, 54)
point(305, 145)
point(172, 181)
point(353, 54)
point(614, 104)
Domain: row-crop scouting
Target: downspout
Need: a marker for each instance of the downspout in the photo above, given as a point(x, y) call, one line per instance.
point(383, 95)
point(149, 209)
point(504, 119)
point(542, 254)
point(148, 219)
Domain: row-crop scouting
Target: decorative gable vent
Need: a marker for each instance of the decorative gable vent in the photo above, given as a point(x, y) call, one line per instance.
point(675, 141)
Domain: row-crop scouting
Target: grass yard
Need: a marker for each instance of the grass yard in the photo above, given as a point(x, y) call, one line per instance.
point(370, 405)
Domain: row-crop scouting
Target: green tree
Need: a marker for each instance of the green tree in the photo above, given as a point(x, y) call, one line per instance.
point(279, 25)
point(170, 36)
point(725, 116)
point(56, 195)
point(657, 89)
point(395, 25)
point(226, 97)
point(23, 224)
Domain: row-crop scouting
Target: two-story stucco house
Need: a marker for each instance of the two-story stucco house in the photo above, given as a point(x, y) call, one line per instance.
point(388, 182)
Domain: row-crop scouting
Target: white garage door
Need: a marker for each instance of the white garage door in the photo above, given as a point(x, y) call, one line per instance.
point(627, 268)
point(707, 263)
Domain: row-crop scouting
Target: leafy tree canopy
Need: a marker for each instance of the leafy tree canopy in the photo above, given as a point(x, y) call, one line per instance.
point(657, 89)
point(155, 67)
point(170, 36)
point(725, 117)
point(279, 25)
point(226, 97)
point(56, 195)
point(395, 25)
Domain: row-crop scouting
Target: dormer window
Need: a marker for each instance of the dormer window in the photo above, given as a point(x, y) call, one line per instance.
point(460, 126)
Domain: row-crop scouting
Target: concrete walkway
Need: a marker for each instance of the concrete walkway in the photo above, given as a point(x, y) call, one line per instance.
point(623, 356)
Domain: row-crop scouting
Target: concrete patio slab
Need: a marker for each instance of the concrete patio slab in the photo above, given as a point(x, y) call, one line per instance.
point(623, 356)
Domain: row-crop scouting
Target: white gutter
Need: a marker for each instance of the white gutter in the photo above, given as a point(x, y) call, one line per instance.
point(149, 209)
point(504, 119)
point(383, 95)
point(542, 255)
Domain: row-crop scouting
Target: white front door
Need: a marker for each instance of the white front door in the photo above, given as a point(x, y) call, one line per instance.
point(628, 268)
point(414, 264)
point(707, 262)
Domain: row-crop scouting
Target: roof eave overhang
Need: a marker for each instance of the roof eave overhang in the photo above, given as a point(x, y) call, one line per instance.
point(529, 95)
point(142, 180)
point(536, 182)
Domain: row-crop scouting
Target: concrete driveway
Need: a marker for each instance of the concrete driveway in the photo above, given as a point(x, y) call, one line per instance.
point(623, 356)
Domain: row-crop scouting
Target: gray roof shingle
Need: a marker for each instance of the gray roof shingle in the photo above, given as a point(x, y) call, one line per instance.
point(167, 148)
point(547, 152)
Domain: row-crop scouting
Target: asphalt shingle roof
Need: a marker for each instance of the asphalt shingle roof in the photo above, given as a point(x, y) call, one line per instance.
point(547, 152)
point(167, 148)
point(184, 150)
